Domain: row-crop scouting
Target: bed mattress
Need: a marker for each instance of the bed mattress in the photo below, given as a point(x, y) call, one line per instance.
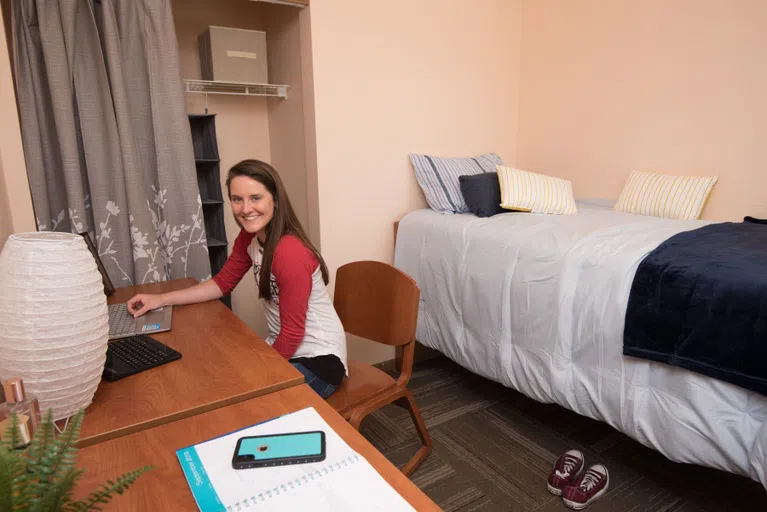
point(538, 303)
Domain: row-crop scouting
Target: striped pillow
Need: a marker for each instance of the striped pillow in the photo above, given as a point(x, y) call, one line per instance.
point(537, 193)
point(438, 178)
point(663, 195)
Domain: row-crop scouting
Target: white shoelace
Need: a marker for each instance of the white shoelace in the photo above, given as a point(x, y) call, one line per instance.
point(570, 463)
point(590, 480)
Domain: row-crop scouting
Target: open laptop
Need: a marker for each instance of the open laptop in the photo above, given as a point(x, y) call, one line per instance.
point(121, 322)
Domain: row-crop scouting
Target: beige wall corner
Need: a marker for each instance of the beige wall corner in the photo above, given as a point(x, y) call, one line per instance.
point(391, 78)
point(242, 123)
point(16, 213)
point(286, 117)
point(310, 132)
point(676, 87)
point(6, 224)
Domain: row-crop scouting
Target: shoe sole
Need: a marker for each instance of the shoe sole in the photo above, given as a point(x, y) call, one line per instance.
point(553, 490)
point(558, 492)
point(580, 506)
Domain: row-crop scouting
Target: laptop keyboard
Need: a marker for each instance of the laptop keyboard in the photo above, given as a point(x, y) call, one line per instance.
point(136, 354)
point(120, 321)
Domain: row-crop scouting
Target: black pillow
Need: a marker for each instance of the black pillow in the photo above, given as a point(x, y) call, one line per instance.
point(482, 193)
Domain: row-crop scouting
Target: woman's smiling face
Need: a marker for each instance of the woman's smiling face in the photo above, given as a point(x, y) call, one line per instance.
point(252, 205)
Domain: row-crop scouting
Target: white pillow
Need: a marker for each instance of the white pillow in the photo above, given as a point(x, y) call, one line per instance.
point(664, 195)
point(530, 192)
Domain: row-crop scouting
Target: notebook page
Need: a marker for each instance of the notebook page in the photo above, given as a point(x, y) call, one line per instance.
point(237, 485)
point(354, 488)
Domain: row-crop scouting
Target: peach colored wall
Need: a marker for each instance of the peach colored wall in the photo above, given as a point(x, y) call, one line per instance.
point(242, 123)
point(16, 213)
point(285, 33)
point(394, 77)
point(310, 127)
point(676, 86)
point(6, 226)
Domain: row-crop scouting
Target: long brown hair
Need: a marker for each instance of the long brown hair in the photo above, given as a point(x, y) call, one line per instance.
point(284, 220)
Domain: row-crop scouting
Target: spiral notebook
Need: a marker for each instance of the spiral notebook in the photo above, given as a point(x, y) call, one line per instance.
point(344, 481)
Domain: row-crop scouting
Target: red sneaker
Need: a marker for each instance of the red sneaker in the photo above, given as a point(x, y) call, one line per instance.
point(590, 486)
point(566, 471)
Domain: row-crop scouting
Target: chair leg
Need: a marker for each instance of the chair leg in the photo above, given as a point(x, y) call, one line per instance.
point(404, 399)
point(408, 402)
point(357, 415)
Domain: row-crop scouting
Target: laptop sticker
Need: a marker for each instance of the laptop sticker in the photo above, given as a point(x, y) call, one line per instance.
point(150, 327)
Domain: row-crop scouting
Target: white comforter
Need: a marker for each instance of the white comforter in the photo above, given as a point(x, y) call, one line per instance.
point(537, 302)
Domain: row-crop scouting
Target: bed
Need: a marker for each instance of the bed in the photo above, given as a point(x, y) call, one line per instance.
point(538, 303)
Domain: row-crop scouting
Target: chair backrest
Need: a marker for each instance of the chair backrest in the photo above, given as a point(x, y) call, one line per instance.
point(377, 301)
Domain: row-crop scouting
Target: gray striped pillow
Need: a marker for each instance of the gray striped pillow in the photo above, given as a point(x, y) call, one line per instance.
point(438, 178)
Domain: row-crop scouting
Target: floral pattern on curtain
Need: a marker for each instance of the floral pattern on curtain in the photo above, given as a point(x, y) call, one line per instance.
point(106, 136)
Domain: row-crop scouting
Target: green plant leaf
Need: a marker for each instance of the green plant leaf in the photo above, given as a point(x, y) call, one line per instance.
point(11, 434)
point(41, 441)
point(43, 477)
point(59, 493)
point(9, 467)
point(105, 494)
point(64, 452)
point(38, 458)
point(13, 473)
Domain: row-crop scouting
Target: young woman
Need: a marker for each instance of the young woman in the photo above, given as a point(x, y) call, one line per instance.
point(290, 275)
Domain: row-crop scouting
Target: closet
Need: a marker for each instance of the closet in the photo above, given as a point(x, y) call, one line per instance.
point(262, 121)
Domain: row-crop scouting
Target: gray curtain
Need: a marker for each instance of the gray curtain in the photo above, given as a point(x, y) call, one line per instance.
point(106, 137)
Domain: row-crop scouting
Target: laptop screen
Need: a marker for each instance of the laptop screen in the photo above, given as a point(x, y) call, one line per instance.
point(109, 289)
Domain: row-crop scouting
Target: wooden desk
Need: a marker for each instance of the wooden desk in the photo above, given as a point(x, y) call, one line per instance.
point(222, 362)
point(165, 488)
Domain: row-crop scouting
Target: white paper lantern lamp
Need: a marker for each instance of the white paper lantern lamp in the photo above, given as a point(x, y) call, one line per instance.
point(54, 322)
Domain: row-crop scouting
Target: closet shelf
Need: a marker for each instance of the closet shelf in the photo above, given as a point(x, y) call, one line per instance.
point(212, 242)
point(208, 202)
point(236, 88)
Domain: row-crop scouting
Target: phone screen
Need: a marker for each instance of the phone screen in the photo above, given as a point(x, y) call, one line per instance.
point(284, 448)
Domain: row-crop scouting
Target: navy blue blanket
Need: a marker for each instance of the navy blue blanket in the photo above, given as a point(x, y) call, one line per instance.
point(699, 301)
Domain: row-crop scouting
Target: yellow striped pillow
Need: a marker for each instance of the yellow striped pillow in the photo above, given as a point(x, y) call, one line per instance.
point(663, 195)
point(531, 192)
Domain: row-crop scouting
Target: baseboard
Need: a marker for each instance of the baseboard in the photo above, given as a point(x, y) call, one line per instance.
point(422, 353)
point(389, 366)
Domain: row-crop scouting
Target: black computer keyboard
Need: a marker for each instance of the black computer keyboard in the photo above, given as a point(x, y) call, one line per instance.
point(136, 354)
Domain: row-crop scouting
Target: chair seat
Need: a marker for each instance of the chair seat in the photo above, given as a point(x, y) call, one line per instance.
point(364, 382)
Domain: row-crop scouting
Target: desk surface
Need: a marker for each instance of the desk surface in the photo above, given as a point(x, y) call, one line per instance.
point(165, 488)
point(222, 362)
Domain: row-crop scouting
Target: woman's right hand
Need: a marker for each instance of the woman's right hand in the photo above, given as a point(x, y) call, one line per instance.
point(143, 302)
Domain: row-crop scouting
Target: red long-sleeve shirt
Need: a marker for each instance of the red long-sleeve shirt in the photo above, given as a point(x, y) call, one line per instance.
point(292, 267)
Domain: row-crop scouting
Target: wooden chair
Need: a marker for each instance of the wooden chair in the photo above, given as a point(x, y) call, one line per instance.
point(380, 303)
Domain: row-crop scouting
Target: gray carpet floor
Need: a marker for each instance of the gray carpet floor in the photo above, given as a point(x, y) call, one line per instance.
point(494, 449)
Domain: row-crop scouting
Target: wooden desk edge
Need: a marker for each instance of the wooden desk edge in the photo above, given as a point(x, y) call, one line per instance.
point(279, 403)
point(179, 415)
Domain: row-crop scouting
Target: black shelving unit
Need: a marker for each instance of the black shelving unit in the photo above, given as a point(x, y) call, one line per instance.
point(208, 166)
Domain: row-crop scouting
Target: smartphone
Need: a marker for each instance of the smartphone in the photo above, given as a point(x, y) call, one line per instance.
point(279, 449)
